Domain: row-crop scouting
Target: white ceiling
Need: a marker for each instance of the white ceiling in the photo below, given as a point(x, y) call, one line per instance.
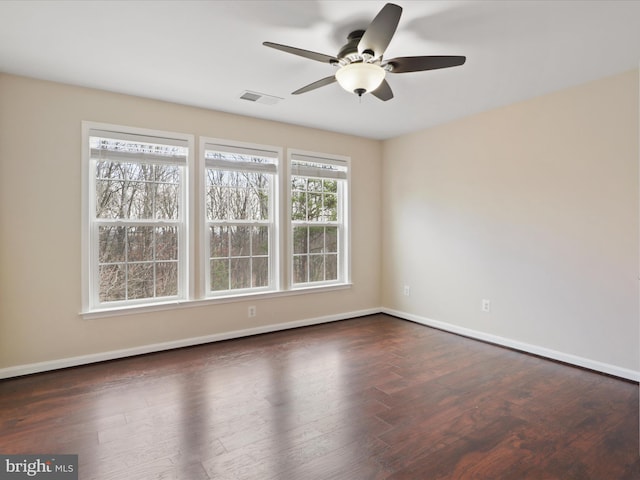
point(206, 53)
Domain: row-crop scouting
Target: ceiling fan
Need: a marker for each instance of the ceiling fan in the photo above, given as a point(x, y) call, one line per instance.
point(361, 68)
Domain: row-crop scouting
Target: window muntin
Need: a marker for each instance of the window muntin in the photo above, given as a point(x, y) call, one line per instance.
point(240, 191)
point(318, 189)
point(138, 218)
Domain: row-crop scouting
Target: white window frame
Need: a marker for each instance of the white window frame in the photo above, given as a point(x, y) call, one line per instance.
point(343, 222)
point(90, 224)
point(242, 148)
point(193, 286)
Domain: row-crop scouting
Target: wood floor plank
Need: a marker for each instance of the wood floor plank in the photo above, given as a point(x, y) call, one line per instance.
point(372, 398)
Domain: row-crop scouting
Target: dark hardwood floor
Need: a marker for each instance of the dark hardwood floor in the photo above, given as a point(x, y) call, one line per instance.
point(363, 399)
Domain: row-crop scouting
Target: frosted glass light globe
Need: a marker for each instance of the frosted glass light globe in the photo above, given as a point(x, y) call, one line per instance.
point(360, 78)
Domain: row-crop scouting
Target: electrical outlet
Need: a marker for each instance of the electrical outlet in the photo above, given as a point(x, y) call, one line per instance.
point(407, 290)
point(252, 311)
point(486, 305)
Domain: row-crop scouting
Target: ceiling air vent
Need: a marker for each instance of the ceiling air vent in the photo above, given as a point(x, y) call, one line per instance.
point(260, 97)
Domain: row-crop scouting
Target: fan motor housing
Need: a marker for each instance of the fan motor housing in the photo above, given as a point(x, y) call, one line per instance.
point(350, 49)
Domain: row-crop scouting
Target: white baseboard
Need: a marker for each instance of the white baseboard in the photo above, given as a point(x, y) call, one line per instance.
point(521, 346)
point(27, 369)
point(30, 368)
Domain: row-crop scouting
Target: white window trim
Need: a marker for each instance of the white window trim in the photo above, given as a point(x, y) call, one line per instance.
point(89, 243)
point(274, 248)
point(344, 248)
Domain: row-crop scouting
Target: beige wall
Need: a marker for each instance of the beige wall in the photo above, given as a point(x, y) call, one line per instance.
point(533, 206)
point(40, 223)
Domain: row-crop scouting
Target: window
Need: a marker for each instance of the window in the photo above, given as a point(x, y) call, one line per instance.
point(318, 208)
point(240, 189)
point(137, 215)
point(139, 236)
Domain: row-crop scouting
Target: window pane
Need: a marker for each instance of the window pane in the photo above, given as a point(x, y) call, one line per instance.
point(239, 204)
point(316, 268)
point(331, 239)
point(219, 275)
point(140, 280)
point(314, 206)
point(240, 241)
point(259, 204)
point(139, 172)
point(167, 174)
point(166, 279)
point(216, 177)
point(166, 201)
point(112, 244)
point(331, 267)
point(314, 185)
point(166, 243)
point(330, 186)
point(298, 184)
point(219, 241)
point(316, 239)
point(109, 199)
point(112, 283)
point(300, 244)
point(140, 244)
point(240, 272)
point(260, 241)
point(110, 170)
point(330, 208)
point(298, 206)
point(300, 269)
point(137, 201)
point(260, 271)
point(217, 195)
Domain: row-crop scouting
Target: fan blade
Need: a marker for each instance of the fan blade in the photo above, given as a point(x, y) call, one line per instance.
point(319, 57)
point(383, 92)
point(379, 33)
point(314, 85)
point(419, 64)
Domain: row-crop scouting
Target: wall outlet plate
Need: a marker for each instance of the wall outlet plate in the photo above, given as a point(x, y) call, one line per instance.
point(486, 305)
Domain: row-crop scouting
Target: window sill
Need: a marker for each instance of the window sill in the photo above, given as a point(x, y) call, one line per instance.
point(180, 304)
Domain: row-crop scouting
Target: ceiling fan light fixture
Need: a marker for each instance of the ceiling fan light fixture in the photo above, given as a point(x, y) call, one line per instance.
point(360, 77)
point(359, 60)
